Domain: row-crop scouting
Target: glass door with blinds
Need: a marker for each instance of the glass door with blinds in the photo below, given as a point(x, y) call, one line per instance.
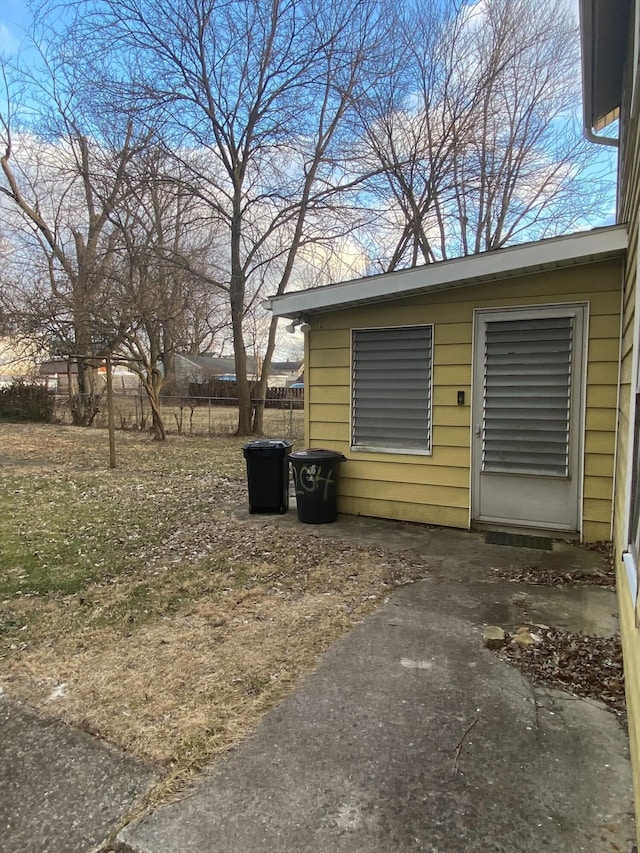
point(527, 435)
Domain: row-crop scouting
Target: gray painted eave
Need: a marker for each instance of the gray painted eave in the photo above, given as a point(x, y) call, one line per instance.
point(529, 258)
point(604, 28)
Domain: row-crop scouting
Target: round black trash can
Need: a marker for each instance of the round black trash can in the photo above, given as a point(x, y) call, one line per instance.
point(316, 474)
point(268, 474)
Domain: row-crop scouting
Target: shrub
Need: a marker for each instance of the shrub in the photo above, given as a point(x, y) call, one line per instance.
point(26, 401)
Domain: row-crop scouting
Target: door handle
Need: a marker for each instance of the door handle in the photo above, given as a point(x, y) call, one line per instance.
point(476, 430)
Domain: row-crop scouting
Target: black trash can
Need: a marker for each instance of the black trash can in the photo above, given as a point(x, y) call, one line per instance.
point(268, 474)
point(316, 474)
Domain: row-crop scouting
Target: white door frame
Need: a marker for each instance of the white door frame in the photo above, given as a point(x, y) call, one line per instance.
point(578, 414)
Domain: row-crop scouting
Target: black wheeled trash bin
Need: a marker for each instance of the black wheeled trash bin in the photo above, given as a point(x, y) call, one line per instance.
point(268, 474)
point(316, 474)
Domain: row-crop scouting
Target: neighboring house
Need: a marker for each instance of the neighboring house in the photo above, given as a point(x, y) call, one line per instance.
point(200, 368)
point(58, 372)
point(210, 365)
point(284, 373)
point(504, 388)
point(196, 369)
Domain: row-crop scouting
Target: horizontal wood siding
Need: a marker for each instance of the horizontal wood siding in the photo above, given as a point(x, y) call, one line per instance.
point(403, 511)
point(630, 201)
point(597, 531)
point(435, 488)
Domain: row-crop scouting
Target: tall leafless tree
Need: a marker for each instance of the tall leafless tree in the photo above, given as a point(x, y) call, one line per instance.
point(165, 296)
point(62, 185)
point(476, 133)
point(263, 89)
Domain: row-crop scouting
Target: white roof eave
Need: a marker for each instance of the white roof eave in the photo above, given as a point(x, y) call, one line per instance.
point(526, 259)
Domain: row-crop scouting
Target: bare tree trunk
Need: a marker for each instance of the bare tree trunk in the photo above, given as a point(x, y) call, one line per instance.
point(261, 389)
point(157, 424)
point(152, 385)
point(85, 403)
point(242, 383)
point(169, 361)
point(236, 300)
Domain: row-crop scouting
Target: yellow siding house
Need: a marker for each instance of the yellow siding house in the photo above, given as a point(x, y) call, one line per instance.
point(611, 91)
point(477, 391)
point(503, 389)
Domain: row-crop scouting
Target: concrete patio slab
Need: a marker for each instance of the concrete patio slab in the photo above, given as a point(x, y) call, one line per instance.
point(411, 736)
point(445, 551)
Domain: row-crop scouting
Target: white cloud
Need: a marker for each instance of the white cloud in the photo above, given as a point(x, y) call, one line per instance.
point(9, 44)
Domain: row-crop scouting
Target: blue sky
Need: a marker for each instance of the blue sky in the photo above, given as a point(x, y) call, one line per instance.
point(14, 18)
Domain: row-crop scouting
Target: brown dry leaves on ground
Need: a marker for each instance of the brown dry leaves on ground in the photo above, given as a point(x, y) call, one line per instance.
point(606, 576)
point(583, 664)
point(133, 605)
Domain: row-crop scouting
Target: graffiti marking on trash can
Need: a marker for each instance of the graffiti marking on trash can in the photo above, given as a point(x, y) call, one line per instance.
point(316, 475)
point(310, 480)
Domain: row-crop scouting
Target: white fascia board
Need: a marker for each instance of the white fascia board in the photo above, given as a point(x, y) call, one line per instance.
point(558, 252)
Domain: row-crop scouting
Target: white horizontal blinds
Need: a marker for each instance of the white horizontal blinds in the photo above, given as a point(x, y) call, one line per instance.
point(391, 387)
point(527, 387)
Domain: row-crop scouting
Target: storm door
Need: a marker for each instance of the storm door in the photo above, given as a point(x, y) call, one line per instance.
point(527, 435)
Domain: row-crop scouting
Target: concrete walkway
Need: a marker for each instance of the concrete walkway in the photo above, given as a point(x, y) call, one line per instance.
point(410, 736)
point(61, 790)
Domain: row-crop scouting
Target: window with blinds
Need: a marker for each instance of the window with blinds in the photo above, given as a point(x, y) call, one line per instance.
point(391, 388)
point(527, 393)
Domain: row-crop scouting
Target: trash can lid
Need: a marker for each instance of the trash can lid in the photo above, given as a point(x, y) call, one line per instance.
point(317, 455)
point(268, 443)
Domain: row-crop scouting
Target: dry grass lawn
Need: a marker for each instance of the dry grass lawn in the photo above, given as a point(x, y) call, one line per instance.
point(133, 412)
point(133, 605)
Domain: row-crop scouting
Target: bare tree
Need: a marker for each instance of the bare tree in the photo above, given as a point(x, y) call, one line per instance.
point(113, 245)
point(476, 133)
point(163, 300)
point(62, 185)
point(263, 90)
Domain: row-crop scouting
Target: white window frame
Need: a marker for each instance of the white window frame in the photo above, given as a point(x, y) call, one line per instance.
point(391, 448)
